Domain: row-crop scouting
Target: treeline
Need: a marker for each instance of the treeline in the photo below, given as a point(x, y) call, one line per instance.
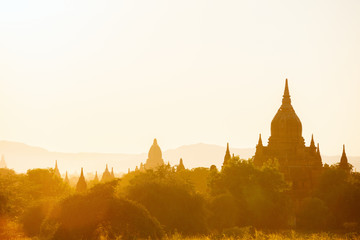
point(174, 200)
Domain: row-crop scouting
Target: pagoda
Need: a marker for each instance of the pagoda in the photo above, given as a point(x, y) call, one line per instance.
point(300, 164)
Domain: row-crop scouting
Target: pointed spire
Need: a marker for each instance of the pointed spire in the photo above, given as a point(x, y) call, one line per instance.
point(344, 164)
point(181, 166)
point(155, 141)
point(112, 173)
point(286, 97)
point(312, 143)
point(81, 185)
point(56, 170)
point(66, 180)
point(2, 162)
point(260, 144)
point(96, 178)
point(286, 91)
point(106, 175)
point(227, 156)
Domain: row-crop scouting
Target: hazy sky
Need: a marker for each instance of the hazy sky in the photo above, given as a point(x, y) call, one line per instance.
point(109, 76)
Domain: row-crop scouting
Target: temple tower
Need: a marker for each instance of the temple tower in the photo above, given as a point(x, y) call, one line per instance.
point(227, 156)
point(106, 175)
point(301, 165)
point(344, 164)
point(181, 166)
point(81, 185)
point(112, 173)
point(154, 157)
point(66, 179)
point(96, 178)
point(56, 170)
point(2, 162)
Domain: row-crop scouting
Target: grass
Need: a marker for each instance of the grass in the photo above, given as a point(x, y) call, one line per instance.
point(258, 235)
point(10, 230)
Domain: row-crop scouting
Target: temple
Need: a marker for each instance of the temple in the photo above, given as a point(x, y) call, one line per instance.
point(96, 178)
point(344, 164)
point(181, 166)
point(66, 180)
point(300, 164)
point(112, 173)
point(154, 157)
point(227, 155)
point(106, 175)
point(81, 185)
point(2, 162)
point(56, 170)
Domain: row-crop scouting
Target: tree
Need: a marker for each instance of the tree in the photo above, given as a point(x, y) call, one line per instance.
point(14, 193)
point(224, 212)
point(260, 194)
point(43, 183)
point(170, 199)
point(100, 213)
point(340, 191)
point(313, 214)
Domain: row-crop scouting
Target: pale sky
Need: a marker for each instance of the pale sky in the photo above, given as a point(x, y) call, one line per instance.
point(109, 76)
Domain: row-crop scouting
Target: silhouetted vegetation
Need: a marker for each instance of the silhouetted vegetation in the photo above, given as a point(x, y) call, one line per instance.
point(99, 213)
point(170, 199)
point(256, 196)
point(240, 200)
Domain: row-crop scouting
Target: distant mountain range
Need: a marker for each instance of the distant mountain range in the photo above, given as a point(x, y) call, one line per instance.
point(22, 157)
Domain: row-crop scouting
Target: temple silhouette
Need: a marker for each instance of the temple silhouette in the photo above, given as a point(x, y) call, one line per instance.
point(301, 165)
point(2, 162)
point(155, 159)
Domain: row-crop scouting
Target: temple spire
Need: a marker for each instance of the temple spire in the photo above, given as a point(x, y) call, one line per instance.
point(56, 169)
point(106, 175)
point(81, 185)
point(112, 173)
point(181, 166)
point(2, 162)
point(260, 144)
point(344, 164)
point(66, 180)
point(286, 97)
point(96, 178)
point(312, 143)
point(227, 155)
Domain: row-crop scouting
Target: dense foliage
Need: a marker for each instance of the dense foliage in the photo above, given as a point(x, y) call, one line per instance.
point(238, 200)
point(99, 213)
point(170, 199)
point(249, 196)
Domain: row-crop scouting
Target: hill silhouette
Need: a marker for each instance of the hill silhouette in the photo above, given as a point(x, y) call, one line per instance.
point(21, 157)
